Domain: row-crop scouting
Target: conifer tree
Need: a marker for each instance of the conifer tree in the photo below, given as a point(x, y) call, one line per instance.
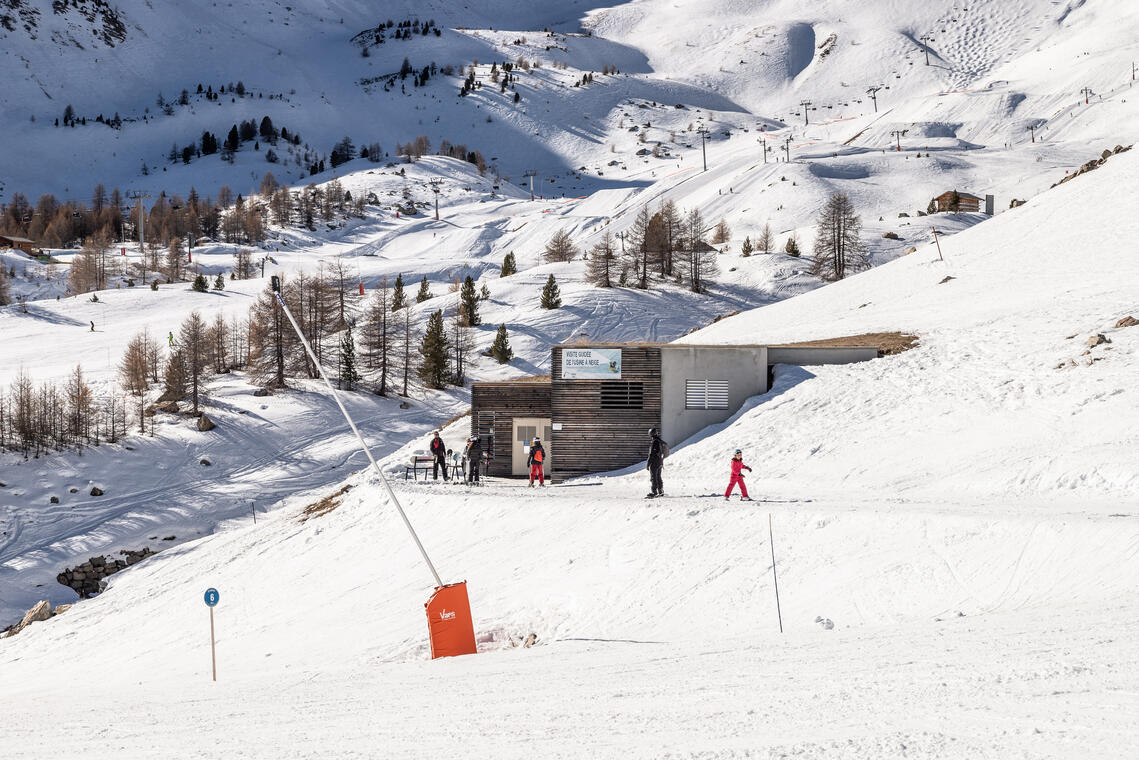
point(747, 248)
point(434, 349)
point(469, 303)
point(399, 300)
point(348, 376)
point(200, 285)
point(551, 296)
point(560, 247)
point(484, 293)
point(500, 349)
point(509, 265)
point(792, 247)
point(219, 282)
point(599, 269)
point(424, 293)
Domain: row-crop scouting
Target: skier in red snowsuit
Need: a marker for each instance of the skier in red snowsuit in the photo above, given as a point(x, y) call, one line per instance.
point(738, 467)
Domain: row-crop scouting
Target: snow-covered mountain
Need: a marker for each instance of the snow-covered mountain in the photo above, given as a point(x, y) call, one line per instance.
point(954, 527)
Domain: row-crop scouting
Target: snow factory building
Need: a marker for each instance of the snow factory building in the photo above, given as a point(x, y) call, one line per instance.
point(594, 411)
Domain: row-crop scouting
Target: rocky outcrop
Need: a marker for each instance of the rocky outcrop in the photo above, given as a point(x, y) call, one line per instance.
point(96, 491)
point(42, 611)
point(1127, 321)
point(87, 579)
point(205, 424)
point(1095, 163)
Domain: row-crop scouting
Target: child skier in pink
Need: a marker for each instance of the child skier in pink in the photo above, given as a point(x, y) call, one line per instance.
point(738, 467)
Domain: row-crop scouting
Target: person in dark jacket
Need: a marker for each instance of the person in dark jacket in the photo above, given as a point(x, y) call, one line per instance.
point(658, 450)
point(536, 460)
point(439, 451)
point(474, 458)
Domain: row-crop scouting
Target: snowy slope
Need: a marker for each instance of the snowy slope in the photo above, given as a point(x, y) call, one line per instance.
point(963, 513)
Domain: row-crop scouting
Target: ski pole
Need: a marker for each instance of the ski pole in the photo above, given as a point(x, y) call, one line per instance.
point(774, 575)
point(276, 285)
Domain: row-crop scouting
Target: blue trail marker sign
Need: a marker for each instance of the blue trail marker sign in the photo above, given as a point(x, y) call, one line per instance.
point(211, 598)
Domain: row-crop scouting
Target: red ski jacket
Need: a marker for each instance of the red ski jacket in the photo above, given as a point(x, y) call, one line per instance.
point(737, 466)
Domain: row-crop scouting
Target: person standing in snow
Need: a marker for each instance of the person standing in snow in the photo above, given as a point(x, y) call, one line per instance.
point(439, 451)
point(474, 457)
point(658, 450)
point(170, 339)
point(536, 460)
point(92, 327)
point(738, 467)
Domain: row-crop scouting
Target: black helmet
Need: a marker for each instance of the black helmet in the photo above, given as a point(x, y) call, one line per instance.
point(653, 431)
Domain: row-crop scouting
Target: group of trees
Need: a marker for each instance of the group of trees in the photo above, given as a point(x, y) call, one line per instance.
point(666, 243)
point(35, 419)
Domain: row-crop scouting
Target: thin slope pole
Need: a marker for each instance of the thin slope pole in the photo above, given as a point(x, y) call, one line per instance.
point(391, 494)
point(774, 575)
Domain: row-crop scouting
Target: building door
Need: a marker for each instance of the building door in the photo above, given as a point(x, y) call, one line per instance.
point(525, 428)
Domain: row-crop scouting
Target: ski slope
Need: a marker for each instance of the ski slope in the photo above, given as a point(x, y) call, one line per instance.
point(963, 513)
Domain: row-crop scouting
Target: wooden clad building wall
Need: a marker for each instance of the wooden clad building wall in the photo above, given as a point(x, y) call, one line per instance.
point(506, 401)
point(592, 439)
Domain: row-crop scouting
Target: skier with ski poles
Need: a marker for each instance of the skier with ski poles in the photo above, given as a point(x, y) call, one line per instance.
point(535, 460)
point(658, 450)
point(738, 467)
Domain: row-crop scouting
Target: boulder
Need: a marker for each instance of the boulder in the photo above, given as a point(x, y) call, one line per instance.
point(54, 500)
point(204, 462)
point(96, 491)
point(205, 423)
point(891, 236)
point(1127, 321)
point(262, 392)
point(73, 490)
point(1096, 340)
point(61, 609)
point(170, 407)
point(41, 611)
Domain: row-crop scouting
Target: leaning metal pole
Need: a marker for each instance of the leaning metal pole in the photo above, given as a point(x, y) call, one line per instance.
point(276, 284)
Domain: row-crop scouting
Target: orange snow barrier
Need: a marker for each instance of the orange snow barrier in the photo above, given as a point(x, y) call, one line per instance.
point(449, 621)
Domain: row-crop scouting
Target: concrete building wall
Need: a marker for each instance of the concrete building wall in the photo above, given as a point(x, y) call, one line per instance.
point(805, 356)
point(743, 367)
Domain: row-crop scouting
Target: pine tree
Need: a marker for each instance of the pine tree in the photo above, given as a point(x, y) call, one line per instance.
point(484, 293)
point(747, 248)
point(424, 293)
point(200, 284)
point(509, 265)
point(399, 300)
point(194, 345)
point(434, 348)
point(560, 247)
point(551, 296)
point(348, 377)
point(219, 282)
point(766, 241)
point(792, 247)
point(469, 303)
point(839, 249)
point(601, 261)
point(500, 349)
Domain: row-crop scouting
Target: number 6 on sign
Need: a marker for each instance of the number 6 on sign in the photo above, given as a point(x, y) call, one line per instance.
point(212, 597)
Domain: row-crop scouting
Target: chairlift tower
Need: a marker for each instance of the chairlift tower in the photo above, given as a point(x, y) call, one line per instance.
point(873, 93)
point(531, 174)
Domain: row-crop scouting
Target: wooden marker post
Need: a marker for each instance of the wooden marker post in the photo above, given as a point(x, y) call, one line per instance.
point(211, 602)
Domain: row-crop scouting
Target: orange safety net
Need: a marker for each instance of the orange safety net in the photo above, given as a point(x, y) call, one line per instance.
point(449, 621)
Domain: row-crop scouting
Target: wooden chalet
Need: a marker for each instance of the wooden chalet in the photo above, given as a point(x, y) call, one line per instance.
point(19, 243)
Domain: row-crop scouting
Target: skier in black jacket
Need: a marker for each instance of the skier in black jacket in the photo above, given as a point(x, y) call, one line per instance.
point(439, 451)
point(474, 458)
point(658, 450)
